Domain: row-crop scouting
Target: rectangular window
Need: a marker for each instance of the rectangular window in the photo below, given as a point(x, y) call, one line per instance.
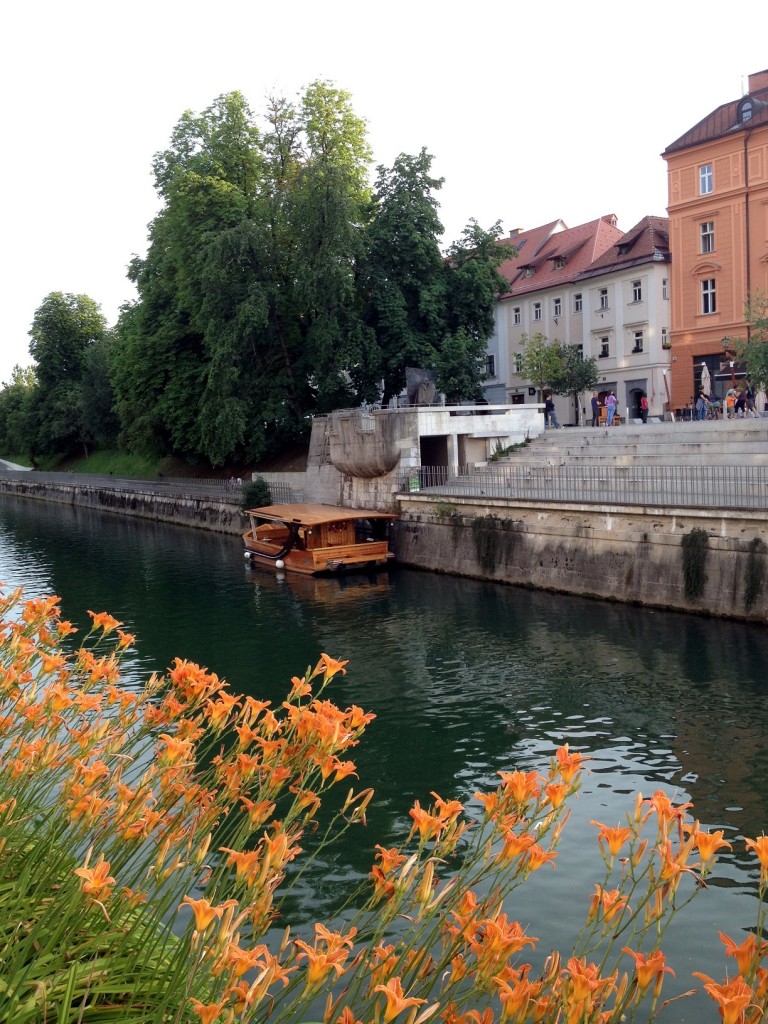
point(665, 288)
point(516, 314)
point(637, 337)
point(579, 351)
point(665, 342)
point(708, 296)
point(637, 291)
point(557, 308)
point(518, 362)
point(490, 366)
point(706, 181)
point(537, 311)
point(577, 303)
point(603, 298)
point(604, 348)
point(707, 230)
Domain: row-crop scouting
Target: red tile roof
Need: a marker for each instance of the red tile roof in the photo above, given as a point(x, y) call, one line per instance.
point(540, 249)
point(724, 121)
point(646, 242)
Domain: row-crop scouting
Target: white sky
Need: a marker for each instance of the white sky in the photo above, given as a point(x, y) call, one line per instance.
point(533, 111)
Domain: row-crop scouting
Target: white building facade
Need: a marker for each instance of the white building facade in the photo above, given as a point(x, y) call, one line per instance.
point(613, 305)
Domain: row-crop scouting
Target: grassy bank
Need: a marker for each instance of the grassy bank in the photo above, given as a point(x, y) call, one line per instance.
point(123, 464)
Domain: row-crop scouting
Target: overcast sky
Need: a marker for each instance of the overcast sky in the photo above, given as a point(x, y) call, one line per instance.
point(532, 111)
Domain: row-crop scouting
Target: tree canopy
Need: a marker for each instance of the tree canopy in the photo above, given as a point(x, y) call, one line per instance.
point(277, 284)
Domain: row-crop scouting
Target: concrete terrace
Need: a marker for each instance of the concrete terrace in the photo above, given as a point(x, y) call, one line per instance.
point(687, 444)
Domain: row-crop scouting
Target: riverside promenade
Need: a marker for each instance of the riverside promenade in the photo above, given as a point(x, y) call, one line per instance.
point(719, 464)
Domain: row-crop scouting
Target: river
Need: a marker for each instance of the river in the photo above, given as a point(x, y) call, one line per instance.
point(466, 679)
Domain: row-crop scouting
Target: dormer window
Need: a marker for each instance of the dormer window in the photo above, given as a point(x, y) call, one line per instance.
point(559, 263)
point(530, 271)
point(745, 113)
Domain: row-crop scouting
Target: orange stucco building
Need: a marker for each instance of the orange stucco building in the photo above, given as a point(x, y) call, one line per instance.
point(718, 237)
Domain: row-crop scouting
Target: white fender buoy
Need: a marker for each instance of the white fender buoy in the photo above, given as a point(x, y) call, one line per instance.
point(280, 564)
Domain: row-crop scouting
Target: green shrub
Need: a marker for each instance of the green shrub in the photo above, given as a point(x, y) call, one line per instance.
point(255, 494)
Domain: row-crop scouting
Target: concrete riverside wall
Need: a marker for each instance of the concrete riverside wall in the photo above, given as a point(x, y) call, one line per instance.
point(202, 513)
point(630, 554)
point(622, 553)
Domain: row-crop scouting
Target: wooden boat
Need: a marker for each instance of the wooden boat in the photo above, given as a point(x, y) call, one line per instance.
point(314, 538)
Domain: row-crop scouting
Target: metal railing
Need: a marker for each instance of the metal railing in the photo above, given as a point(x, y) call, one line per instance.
point(188, 487)
point(732, 487)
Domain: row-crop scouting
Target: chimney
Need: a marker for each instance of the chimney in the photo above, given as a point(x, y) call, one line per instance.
point(758, 81)
point(514, 232)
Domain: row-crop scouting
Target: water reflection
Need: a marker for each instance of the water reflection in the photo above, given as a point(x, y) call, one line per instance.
point(465, 678)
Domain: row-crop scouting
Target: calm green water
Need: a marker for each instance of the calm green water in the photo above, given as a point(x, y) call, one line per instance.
point(466, 679)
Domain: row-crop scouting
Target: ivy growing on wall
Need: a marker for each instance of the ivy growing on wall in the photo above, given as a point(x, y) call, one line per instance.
point(695, 549)
point(754, 572)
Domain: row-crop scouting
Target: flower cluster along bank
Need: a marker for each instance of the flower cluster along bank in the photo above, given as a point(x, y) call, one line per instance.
point(148, 840)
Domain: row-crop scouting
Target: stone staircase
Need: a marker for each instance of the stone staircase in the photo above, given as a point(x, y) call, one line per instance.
point(707, 443)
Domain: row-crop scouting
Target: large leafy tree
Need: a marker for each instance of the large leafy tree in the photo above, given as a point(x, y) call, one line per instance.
point(541, 361)
point(247, 312)
point(577, 375)
point(404, 281)
point(64, 330)
point(427, 309)
point(18, 415)
point(473, 283)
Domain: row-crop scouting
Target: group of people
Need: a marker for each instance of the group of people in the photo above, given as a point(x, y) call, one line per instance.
point(739, 403)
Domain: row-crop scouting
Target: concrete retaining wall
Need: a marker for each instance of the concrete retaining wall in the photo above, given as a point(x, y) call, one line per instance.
point(199, 512)
point(634, 555)
point(629, 554)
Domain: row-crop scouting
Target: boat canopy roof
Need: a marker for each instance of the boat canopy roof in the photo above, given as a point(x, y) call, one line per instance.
point(315, 514)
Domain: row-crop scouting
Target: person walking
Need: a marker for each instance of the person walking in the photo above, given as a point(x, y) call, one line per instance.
point(644, 407)
point(550, 416)
point(595, 409)
point(701, 406)
point(610, 408)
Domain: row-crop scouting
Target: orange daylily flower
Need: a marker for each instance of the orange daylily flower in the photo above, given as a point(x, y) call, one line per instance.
point(665, 809)
point(555, 793)
point(247, 863)
point(97, 882)
point(708, 843)
point(396, 1000)
point(208, 1012)
point(611, 901)
point(329, 666)
point(732, 997)
point(495, 940)
point(516, 994)
point(614, 838)
point(760, 848)
point(204, 912)
point(748, 954)
point(649, 968)
point(101, 620)
point(521, 787)
point(568, 762)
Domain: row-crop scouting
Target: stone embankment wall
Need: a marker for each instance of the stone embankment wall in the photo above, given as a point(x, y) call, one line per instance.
point(202, 513)
point(687, 560)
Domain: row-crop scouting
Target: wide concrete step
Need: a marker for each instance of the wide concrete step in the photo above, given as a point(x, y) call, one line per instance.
point(707, 443)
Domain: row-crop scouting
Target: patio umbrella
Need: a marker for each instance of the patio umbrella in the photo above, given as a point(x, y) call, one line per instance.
point(706, 380)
